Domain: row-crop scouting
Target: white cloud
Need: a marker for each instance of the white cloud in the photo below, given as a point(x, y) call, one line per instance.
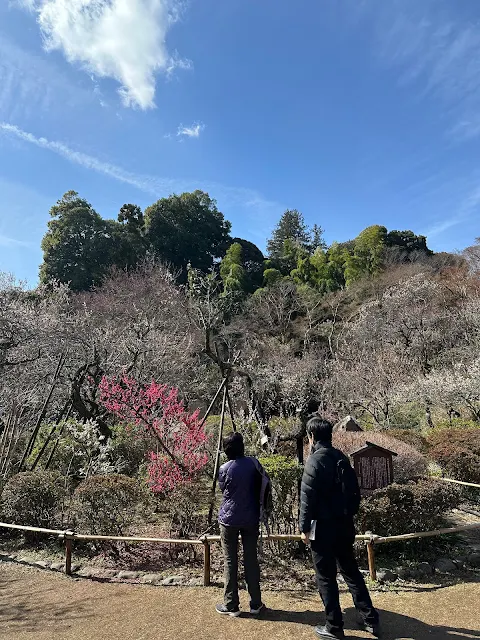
point(191, 132)
point(120, 39)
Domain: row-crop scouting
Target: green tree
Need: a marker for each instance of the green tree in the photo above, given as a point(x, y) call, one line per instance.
point(78, 246)
point(317, 241)
point(232, 272)
point(291, 227)
point(129, 236)
point(367, 258)
point(187, 228)
point(405, 246)
point(253, 262)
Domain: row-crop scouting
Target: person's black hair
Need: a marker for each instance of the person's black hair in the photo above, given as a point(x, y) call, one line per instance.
point(234, 446)
point(320, 429)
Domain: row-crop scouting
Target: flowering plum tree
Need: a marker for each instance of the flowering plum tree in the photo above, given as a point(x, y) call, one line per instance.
point(157, 412)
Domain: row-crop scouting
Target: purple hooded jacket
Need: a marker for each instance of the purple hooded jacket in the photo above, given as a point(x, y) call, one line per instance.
point(240, 482)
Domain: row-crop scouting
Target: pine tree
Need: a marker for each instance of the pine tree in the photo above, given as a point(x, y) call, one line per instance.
point(291, 227)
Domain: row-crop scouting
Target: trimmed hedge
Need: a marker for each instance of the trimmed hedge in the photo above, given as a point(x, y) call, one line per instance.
point(407, 508)
point(34, 499)
point(109, 505)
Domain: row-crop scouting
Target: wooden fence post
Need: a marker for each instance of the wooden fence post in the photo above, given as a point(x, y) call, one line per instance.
point(68, 552)
point(206, 563)
point(371, 557)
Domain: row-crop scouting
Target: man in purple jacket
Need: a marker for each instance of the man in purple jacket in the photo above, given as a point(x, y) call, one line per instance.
point(240, 479)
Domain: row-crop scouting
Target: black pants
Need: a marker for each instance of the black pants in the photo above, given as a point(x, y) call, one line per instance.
point(249, 536)
point(333, 545)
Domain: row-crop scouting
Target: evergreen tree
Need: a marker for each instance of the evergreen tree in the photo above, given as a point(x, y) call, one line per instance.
point(292, 228)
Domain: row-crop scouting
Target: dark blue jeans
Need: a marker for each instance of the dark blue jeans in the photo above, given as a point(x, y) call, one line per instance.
point(333, 545)
point(229, 536)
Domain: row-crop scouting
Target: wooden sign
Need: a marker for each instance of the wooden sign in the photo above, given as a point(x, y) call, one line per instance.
point(373, 466)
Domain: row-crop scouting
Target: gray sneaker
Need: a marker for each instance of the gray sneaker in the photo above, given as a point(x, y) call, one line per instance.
point(256, 611)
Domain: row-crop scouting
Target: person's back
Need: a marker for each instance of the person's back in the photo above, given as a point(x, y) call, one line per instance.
point(330, 497)
point(240, 480)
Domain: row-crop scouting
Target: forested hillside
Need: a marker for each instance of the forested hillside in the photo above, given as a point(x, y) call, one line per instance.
point(379, 326)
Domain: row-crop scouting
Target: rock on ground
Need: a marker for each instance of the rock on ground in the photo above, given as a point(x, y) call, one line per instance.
point(445, 565)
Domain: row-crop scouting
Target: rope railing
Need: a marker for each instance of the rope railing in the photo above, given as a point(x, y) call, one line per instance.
point(369, 538)
point(461, 482)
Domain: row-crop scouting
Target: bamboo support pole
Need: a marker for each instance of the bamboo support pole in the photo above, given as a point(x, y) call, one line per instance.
point(209, 410)
point(465, 484)
point(217, 459)
point(426, 534)
point(81, 536)
point(68, 408)
point(41, 416)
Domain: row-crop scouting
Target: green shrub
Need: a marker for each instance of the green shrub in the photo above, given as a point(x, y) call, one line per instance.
point(34, 499)
point(187, 508)
point(457, 451)
point(407, 508)
point(285, 474)
point(110, 505)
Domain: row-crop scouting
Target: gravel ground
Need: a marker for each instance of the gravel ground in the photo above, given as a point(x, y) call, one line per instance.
point(43, 605)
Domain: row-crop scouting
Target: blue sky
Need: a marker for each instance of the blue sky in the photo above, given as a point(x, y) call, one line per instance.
point(355, 112)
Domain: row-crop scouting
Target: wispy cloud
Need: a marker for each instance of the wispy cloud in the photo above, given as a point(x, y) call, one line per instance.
point(144, 183)
point(30, 84)
point(435, 48)
point(193, 131)
point(120, 39)
point(263, 212)
point(6, 241)
point(460, 201)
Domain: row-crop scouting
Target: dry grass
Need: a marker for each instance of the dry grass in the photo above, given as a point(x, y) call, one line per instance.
point(47, 606)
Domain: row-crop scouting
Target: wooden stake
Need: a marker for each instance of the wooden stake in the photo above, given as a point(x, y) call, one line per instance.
point(206, 563)
point(371, 561)
point(68, 556)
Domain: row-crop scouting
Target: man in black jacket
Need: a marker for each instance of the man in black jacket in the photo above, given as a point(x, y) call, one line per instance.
point(328, 502)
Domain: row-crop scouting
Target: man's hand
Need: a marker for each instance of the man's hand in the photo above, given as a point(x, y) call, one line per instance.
point(306, 538)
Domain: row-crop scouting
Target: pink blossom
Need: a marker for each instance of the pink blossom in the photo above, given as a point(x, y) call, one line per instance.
point(158, 412)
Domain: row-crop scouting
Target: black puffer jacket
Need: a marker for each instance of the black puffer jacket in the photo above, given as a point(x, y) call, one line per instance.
point(319, 495)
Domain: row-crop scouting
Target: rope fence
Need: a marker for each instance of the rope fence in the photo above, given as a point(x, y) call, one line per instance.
point(464, 484)
point(370, 539)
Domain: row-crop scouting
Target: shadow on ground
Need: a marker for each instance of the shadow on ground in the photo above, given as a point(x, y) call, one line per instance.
point(28, 611)
point(395, 626)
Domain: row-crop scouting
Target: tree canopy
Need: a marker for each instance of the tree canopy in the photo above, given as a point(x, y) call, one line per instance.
point(187, 229)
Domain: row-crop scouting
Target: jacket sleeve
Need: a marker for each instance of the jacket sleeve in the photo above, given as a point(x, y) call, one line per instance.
point(222, 478)
point(309, 492)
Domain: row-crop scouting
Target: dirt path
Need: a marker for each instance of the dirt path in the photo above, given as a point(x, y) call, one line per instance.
point(41, 605)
